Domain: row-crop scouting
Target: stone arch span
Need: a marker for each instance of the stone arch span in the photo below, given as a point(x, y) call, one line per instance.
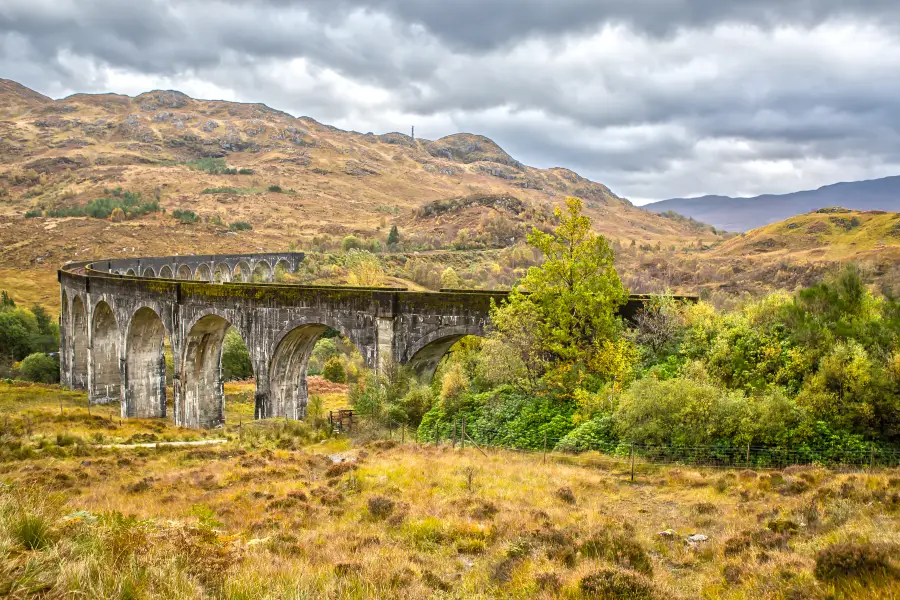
point(165, 272)
point(222, 274)
point(145, 366)
point(149, 272)
point(242, 272)
point(290, 360)
point(106, 373)
point(130, 273)
point(184, 272)
point(262, 272)
point(202, 273)
point(425, 354)
point(79, 344)
point(203, 385)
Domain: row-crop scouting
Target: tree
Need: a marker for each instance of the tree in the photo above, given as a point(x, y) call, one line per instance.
point(40, 368)
point(563, 314)
point(236, 362)
point(6, 300)
point(450, 280)
point(364, 268)
point(393, 237)
point(334, 371)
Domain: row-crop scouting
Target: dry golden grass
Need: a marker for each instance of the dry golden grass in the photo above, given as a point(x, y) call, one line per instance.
point(272, 515)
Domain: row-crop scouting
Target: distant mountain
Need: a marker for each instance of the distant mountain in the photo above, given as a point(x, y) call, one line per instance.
point(743, 214)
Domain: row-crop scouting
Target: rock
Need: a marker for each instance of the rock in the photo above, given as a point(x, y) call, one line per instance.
point(697, 538)
point(668, 533)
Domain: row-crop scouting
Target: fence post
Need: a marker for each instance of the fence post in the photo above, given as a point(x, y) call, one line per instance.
point(462, 439)
point(454, 433)
point(632, 461)
point(871, 456)
point(545, 447)
point(403, 434)
point(748, 455)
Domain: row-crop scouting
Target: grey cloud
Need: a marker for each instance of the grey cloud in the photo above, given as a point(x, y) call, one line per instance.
point(665, 101)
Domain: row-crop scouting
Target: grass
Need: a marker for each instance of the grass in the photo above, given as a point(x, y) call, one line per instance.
point(270, 515)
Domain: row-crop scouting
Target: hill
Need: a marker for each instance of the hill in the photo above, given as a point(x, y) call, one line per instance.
point(292, 179)
point(191, 176)
point(743, 214)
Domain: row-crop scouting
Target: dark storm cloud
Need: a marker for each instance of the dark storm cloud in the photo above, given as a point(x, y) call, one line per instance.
point(655, 98)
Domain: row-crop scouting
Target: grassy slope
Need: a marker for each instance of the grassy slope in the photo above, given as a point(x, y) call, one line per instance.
point(288, 524)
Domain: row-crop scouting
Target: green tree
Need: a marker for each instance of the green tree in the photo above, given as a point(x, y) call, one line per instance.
point(6, 300)
point(236, 362)
point(334, 371)
point(17, 332)
point(563, 314)
point(40, 368)
point(393, 237)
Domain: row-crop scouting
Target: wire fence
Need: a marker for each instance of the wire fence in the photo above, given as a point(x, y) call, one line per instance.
point(638, 456)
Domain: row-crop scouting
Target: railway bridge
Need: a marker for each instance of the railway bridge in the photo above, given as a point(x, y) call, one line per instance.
point(117, 316)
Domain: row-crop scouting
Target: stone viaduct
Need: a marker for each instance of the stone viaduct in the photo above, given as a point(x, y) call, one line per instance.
point(117, 316)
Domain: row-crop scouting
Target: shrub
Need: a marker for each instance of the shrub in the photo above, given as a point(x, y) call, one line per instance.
point(845, 560)
point(275, 188)
point(613, 583)
point(131, 204)
point(618, 547)
point(209, 165)
point(333, 370)
point(381, 507)
point(596, 434)
point(223, 190)
point(351, 242)
point(40, 368)
point(245, 171)
point(185, 216)
point(566, 495)
point(117, 215)
point(34, 213)
point(240, 226)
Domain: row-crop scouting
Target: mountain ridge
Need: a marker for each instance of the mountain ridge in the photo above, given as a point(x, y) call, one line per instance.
point(746, 213)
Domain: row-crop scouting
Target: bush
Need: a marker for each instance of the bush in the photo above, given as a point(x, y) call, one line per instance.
point(236, 362)
point(34, 213)
point(381, 507)
point(117, 215)
point(351, 243)
point(185, 216)
point(846, 560)
point(131, 204)
point(240, 226)
point(618, 547)
point(597, 434)
point(40, 368)
point(275, 188)
point(612, 583)
point(209, 165)
point(334, 371)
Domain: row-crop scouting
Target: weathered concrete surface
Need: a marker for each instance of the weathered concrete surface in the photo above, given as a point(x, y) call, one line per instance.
point(114, 328)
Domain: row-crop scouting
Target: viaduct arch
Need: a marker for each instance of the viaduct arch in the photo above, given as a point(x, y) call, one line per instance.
point(114, 324)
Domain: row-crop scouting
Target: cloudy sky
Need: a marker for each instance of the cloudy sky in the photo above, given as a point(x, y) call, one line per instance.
point(655, 98)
